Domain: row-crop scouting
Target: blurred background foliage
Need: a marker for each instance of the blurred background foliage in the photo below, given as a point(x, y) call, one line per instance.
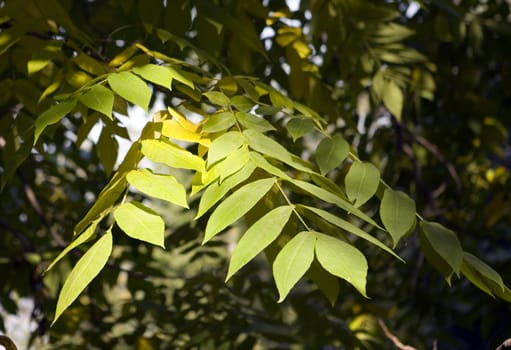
point(420, 88)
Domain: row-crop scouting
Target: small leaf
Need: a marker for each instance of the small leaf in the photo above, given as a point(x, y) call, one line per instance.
point(174, 156)
point(100, 99)
point(361, 181)
point(85, 270)
point(298, 127)
point(223, 145)
point(242, 103)
point(331, 152)
point(258, 237)
point(293, 261)
point(397, 212)
point(159, 75)
point(251, 121)
point(165, 187)
point(82, 238)
point(217, 191)
point(218, 122)
point(342, 260)
point(236, 205)
point(393, 98)
point(130, 87)
point(218, 98)
point(141, 222)
point(441, 246)
point(51, 116)
point(482, 275)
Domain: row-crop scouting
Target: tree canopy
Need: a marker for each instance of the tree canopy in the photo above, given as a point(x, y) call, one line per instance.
point(311, 174)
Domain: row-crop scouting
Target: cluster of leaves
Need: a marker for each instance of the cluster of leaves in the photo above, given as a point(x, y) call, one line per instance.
point(281, 164)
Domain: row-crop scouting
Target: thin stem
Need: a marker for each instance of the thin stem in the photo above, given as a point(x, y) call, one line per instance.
point(293, 206)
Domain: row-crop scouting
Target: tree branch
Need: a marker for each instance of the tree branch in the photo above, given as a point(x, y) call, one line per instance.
point(393, 338)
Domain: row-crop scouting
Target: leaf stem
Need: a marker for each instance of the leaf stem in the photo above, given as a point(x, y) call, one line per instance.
point(293, 206)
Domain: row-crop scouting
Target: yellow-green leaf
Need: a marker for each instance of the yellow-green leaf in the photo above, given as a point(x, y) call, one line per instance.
point(51, 116)
point(258, 237)
point(397, 213)
point(172, 155)
point(85, 270)
point(236, 205)
point(141, 222)
point(393, 98)
point(100, 99)
point(223, 145)
point(331, 152)
point(131, 87)
point(218, 122)
point(298, 127)
point(361, 182)
point(293, 261)
point(160, 75)
point(165, 187)
point(342, 260)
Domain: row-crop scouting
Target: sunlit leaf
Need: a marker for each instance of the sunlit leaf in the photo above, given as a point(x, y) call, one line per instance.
point(293, 261)
point(258, 236)
point(223, 145)
point(85, 270)
point(100, 99)
point(331, 152)
point(236, 205)
point(218, 122)
point(342, 260)
point(131, 87)
point(140, 222)
point(165, 187)
point(242, 103)
point(51, 116)
point(361, 182)
point(171, 155)
point(397, 213)
point(160, 75)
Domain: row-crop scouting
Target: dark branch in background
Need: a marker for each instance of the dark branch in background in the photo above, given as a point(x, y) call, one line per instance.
point(34, 203)
point(19, 235)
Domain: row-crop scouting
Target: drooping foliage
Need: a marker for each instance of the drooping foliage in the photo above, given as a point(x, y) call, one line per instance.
point(311, 139)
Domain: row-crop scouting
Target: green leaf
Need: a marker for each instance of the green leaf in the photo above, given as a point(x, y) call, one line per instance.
point(258, 237)
point(131, 87)
point(141, 222)
point(242, 103)
point(82, 238)
point(236, 205)
point(265, 165)
point(174, 156)
point(299, 127)
point(482, 275)
point(107, 148)
point(159, 75)
point(334, 199)
point(393, 98)
point(234, 162)
point(217, 190)
point(441, 246)
point(251, 121)
point(349, 227)
point(331, 152)
point(342, 260)
point(85, 270)
point(361, 182)
point(100, 99)
point(223, 145)
point(397, 212)
point(165, 187)
point(218, 122)
point(293, 261)
point(218, 98)
point(51, 116)
point(326, 282)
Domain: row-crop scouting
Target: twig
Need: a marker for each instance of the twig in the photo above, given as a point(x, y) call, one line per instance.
point(393, 338)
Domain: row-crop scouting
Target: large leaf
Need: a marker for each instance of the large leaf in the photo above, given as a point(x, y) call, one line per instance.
point(361, 182)
point(165, 187)
point(223, 145)
point(218, 122)
point(397, 212)
point(160, 75)
point(51, 116)
point(258, 236)
point(342, 260)
point(218, 190)
point(130, 87)
point(100, 99)
point(331, 152)
point(298, 127)
point(236, 205)
point(85, 270)
point(441, 248)
point(140, 222)
point(171, 155)
point(349, 227)
point(293, 261)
